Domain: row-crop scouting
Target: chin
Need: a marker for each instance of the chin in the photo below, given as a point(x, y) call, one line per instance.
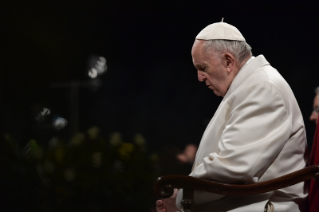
point(218, 93)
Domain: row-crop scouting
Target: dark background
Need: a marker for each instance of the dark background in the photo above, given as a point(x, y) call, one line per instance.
point(150, 86)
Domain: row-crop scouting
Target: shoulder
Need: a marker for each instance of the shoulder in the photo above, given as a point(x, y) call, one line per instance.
point(265, 81)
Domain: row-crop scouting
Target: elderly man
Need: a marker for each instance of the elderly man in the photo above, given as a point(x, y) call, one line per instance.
point(257, 132)
point(315, 112)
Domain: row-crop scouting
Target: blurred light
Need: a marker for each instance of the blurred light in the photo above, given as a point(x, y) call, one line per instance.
point(139, 140)
point(41, 115)
point(116, 139)
point(77, 139)
point(97, 66)
point(101, 65)
point(92, 73)
point(93, 132)
point(45, 111)
point(59, 123)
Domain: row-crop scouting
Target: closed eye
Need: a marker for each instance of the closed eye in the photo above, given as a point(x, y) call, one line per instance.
point(201, 68)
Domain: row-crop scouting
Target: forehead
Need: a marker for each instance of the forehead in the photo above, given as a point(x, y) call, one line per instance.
point(316, 100)
point(198, 52)
point(198, 46)
point(201, 57)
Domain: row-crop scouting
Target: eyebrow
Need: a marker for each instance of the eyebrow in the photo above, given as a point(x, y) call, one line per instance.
point(200, 66)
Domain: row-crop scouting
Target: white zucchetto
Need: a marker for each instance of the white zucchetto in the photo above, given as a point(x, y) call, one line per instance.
point(220, 31)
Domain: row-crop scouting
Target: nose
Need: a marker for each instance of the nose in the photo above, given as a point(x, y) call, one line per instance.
point(314, 116)
point(201, 77)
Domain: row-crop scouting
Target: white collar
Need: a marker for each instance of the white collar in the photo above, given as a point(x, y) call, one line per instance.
point(250, 59)
point(245, 72)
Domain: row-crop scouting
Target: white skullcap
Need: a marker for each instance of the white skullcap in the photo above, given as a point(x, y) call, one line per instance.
point(220, 31)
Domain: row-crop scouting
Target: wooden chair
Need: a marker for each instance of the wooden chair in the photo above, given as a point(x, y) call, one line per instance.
point(164, 187)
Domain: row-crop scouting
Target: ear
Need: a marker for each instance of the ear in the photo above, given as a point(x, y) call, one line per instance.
point(229, 62)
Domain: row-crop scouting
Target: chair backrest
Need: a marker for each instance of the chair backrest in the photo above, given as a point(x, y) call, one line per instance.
point(314, 185)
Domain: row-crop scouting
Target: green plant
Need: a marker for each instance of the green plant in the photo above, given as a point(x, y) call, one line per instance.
point(87, 173)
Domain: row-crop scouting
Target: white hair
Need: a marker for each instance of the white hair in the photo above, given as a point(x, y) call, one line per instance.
point(317, 90)
point(239, 49)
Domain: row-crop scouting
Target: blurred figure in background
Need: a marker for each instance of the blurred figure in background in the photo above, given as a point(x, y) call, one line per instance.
point(188, 155)
point(175, 161)
point(315, 112)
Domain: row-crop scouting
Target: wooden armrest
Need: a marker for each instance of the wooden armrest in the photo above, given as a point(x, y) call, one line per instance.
point(164, 187)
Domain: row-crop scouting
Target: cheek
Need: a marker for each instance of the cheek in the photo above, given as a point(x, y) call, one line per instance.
point(218, 77)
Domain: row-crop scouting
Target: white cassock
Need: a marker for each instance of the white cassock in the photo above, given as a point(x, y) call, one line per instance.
point(256, 134)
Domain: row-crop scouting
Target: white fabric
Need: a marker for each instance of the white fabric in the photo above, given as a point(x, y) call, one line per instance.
point(256, 134)
point(220, 30)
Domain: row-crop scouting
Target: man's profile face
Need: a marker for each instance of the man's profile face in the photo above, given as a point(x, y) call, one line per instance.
point(314, 114)
point(210, 69)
